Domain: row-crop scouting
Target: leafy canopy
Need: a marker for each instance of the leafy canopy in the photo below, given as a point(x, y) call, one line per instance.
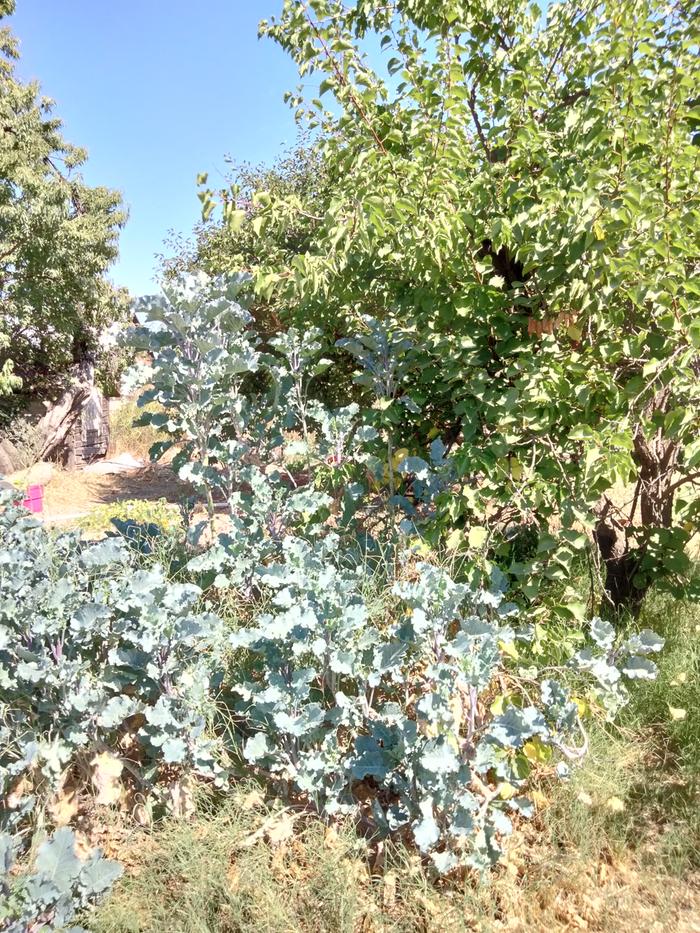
point(519, 193)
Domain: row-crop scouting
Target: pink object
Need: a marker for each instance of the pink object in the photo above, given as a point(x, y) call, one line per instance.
point(35, 499)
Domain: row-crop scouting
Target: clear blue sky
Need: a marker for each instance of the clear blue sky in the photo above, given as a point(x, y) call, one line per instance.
point(158, 91)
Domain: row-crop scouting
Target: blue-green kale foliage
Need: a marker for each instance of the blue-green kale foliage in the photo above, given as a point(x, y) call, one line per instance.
point(369, 690)
point(93, 648)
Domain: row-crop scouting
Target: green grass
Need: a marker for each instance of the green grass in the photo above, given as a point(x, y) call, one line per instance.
point(669, 790)
point(144, 511)
point(649, 760)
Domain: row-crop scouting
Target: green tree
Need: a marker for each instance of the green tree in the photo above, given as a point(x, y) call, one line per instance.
point(58, 237)
point(232, 240)
point(519, 193)
point(222, 245)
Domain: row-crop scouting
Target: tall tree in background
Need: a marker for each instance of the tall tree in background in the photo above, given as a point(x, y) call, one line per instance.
point(58, 237)
point(230, 242)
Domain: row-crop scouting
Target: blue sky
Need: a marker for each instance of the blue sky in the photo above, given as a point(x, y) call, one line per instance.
point(158, 91)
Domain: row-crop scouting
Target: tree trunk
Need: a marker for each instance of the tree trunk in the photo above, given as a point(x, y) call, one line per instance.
point(58, 421)
point(656, 458)
point(621, 565)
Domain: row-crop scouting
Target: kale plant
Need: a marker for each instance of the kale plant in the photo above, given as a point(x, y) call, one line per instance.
point(203, 358)
point(390, 720)
point(94, 650)
point(59, 884)
point(230, 408)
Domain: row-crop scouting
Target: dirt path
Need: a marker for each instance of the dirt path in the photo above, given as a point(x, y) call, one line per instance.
point(69, 496)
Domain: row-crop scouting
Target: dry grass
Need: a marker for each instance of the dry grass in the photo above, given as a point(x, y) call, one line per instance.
point(580, 864)
point(208, 876)
point(125, 438)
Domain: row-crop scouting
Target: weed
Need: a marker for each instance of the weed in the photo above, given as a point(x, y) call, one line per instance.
point(26, 439)
point(144, 511)
point(124, 436)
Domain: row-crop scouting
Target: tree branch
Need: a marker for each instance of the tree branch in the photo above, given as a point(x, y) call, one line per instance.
point(690, 478)
point(471, 101)
point(344, 82)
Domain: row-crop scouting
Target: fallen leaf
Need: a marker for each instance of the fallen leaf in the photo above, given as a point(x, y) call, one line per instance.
point(429, 729)
point(234, 877)
point(536, 751)
point(509, 648)
point(142, 815)
point(84, 846)
point(615, 804)
point(106, 777)
point(585, 799)
point(389, 891)
point(281, 830)
point(253, 800)
point(677, 713)
point(276, 829)
point(63, 807)
point(506, 791)
point(20, 790)
point(181, 799)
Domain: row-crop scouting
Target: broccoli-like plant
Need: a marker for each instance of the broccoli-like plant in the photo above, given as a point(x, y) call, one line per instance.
point(58, 885)
point(93, 648)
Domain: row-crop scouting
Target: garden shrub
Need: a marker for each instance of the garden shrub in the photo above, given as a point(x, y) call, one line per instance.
point(394, 717)
point(513, 186)
point(59, 883)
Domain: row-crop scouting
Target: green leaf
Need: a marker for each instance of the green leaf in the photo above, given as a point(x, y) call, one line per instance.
point(477, 537)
